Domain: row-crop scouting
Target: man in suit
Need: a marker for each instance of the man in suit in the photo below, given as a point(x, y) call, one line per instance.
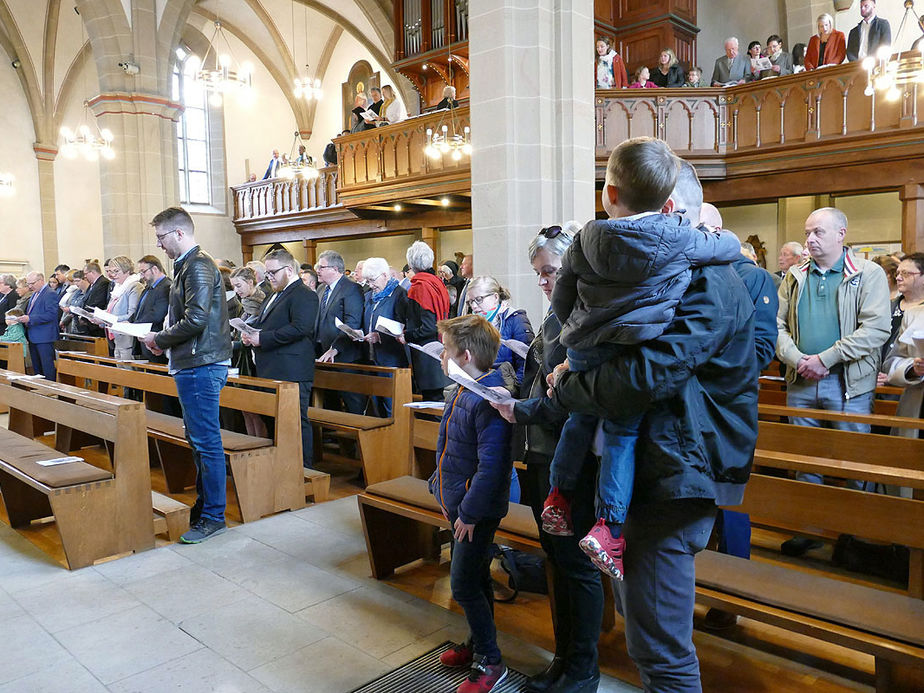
point(41, 321)
point(343, 299)
point(272, 171)
point(376, 106)
point(97, 296)
point(465, 271)
point(330, 151)
point(61, 275)
point(284, 346)
point(8, 298)
point(869, 35)
point(152, 304)
point(731, 67)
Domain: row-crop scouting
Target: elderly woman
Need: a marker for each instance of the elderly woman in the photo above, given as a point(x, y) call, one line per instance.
point(385, 299)
point(578, 598)
point(827, 47)
point(428, 303)
point(668, 73)
point(487, 297)
point(449, 273)
point(123, 302)
point(24, 293)
point(75, 295)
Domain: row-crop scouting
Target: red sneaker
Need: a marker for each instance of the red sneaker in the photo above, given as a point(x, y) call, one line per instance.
point(457, 656)
point(556, 515)
point(483, 677)
point(605, 551)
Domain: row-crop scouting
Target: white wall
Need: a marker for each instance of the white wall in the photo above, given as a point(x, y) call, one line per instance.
point(719, 19)
point(20, 215)
point(892, 10)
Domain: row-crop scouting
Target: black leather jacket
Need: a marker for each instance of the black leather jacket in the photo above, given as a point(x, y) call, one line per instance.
point(199, 333)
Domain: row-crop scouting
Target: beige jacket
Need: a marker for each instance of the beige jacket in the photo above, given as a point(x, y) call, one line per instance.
point(865, 319)
point(898, 366)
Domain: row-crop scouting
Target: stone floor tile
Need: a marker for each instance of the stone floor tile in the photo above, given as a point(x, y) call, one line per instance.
point(252, 632)
point(201, 671)
point(9, 608)
point(82, 597)
point(66, 675)
point(126, 643)
point(454, 633)
point(292, 584)
point(376, 622)
point(185, 592)
point(228, 552)
point(327, 666)
point(142, 565)
point(341, 515)
point(27, 649)
point(24, 566)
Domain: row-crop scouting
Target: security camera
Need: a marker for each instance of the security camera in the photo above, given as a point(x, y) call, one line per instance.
point(130, 68)
point(16, 63)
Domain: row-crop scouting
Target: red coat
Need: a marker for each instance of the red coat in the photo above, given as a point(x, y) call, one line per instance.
point(835, 50)
point(620, 76)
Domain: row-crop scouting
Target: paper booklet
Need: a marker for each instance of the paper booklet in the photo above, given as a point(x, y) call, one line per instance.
point(135, 329)
point(356, 335)
point(431, 349)
point(242, 326)
point(101, 314)
point(369, 115)
point(58, 460)
point(457, 375)
point(389, 326)
point(917, 337)
point(425, 405)
point(77, 310)
point(516, 346)
point(761, 63)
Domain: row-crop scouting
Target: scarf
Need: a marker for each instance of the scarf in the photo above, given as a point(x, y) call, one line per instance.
point(428, 290)
point(386, 292)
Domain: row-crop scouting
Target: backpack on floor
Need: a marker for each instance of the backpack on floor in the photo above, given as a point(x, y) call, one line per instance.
point(525, 571)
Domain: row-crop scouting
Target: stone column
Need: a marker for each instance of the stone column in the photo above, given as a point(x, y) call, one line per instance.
point(912, 197)
point(532, 132)
point(45, 154)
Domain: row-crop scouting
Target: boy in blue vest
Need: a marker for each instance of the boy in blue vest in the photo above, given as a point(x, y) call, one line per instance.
point(472, 485)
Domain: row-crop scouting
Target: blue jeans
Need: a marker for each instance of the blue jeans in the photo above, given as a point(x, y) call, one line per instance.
point(199, 389)
point(470, 580)
point(617, 463)
point(657, 595)
point(734, 530)
point(829, 394)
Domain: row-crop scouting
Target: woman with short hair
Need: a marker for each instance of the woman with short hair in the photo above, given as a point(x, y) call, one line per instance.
point(123, 302)
point(385, 299)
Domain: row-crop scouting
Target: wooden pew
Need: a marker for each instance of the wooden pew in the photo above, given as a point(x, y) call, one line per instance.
point(383, 444)
point(772, 392)
point(95, 346)
point(267, 473)
point(12, 358)
point(98, 512)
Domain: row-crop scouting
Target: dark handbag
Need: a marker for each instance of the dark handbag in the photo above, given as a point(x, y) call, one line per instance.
point(525, 572)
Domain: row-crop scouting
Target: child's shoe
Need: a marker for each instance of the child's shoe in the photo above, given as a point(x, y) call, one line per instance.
point(483, 677)
point(457, 655)
point(556, 515)
point(604, 549)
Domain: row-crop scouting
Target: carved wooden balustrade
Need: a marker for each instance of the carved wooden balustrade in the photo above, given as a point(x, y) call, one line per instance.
point(281, 197)
point(783, 124)
point(389, 164)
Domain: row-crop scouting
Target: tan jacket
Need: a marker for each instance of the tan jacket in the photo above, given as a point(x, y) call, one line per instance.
point(865, 320)
point(898, 365)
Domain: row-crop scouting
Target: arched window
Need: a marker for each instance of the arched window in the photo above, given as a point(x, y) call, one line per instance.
point(192, 134)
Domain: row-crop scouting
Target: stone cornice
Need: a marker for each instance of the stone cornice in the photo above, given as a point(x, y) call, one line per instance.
point(136, 104)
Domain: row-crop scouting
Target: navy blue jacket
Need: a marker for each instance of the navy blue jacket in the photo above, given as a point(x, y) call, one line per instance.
point(472, 477)
point(42, 310)
point(762, 290)
point(698, 384)
point(389, 351)
point(346, 303)
point(513, 324)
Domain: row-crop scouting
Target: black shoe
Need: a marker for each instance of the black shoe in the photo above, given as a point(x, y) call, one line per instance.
point(566, 684)
point(716, 619)
point(542, 681)
point(202, 530)
point(799, 545)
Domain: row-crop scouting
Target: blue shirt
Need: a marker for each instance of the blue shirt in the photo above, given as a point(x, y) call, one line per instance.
point(819, 324)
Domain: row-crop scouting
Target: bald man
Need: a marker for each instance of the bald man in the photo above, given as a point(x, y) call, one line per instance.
point(41, 323)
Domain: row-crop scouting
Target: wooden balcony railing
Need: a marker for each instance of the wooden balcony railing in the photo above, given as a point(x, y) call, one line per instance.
point(388, 163)
point(769, 123)
point(281, 197)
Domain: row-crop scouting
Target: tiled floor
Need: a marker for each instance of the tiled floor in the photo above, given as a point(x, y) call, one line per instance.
point(284, 604)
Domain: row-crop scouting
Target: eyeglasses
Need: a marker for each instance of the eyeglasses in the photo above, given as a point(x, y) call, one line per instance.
point(550, 232)
point(478, 300)
point(905, 274)
point(318, 268)
point(274, 272)
point(162, 236)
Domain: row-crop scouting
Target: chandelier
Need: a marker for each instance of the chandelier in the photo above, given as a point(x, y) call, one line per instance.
point(449, 137)
point(7, 185)
point(227, 75)
point(887, 74)
point(298, 164)
point(305, 87)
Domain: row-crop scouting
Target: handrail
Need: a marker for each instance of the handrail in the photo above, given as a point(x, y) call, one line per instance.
point(284, 196)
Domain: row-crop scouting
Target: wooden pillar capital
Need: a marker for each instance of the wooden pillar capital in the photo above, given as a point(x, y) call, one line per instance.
point(912, 197)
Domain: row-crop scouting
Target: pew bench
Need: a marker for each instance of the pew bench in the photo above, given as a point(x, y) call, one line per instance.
point(99, 513)
point(88, 344)
point(171, 517)
point(267, 472)
point(317, 485)
point(382, 444)
point(13, 358)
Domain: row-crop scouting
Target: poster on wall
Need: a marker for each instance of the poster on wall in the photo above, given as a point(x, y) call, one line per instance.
point(870, 250)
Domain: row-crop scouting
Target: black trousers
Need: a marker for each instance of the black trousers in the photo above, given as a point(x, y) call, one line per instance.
point(578, 587)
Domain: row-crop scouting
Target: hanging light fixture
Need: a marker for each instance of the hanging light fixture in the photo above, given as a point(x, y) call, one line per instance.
point(888, 74)
point(227, 75)
point(7, 185)
point(298, 164)
point(305, 87)
point(91, 143)
point(449, 138)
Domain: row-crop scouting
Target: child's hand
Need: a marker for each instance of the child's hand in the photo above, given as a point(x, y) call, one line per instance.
point(462, 530)
point(552, 378)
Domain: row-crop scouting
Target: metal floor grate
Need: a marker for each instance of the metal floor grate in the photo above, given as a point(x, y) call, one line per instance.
point(426, 675)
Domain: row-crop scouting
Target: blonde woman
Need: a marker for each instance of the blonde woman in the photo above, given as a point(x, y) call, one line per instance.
point(123, 302)
point(668, 73)
point(827, 47)
point(487, 297)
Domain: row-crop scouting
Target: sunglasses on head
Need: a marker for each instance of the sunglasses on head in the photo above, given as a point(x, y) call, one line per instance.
point(550, 232)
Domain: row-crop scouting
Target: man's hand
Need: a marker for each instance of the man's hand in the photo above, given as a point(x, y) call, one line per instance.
point(401, 339)
point(919, 367)
point(372, 337)
point(811, 367)
point(776, 68)
point(505, 409)
point(881, 379)
point(462, 530)
point(553, 377)
point(328, 356)
point(24, 319)
point(251, 339)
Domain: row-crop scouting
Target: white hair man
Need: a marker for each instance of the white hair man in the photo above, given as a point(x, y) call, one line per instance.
point(731, 68)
